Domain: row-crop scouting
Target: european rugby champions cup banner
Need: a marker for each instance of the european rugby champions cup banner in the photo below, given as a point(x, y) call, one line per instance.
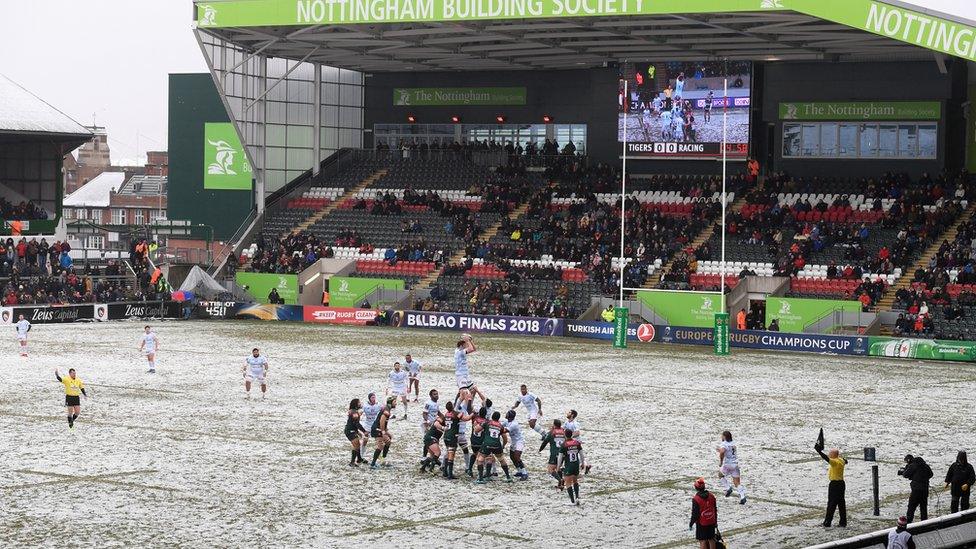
point(894, 22)
point(225, 166)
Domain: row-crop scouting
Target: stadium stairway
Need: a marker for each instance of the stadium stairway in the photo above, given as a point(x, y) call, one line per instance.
point(707, 232)
point(425, 282)
point(887, 301)
point(317, 216)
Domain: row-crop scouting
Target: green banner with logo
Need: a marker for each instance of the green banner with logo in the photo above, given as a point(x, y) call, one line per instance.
point(424, 97)
point(250, 13)
point(225, 166)
point(794, 313)
point(260, 285)
point(861, 110)
point(924, 349)
point(894, 22)
point(348, 291)
point(693, 309)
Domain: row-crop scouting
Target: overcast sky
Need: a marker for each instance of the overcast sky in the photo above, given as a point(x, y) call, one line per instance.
point(109, 58)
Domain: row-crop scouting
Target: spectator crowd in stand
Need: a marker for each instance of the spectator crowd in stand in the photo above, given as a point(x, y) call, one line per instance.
point(24, 211)
point(35, 272)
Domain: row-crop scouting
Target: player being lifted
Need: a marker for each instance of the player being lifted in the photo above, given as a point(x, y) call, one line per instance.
point(516, 444)
point(22, 327)
point(533, 406)
point(571, 461)
point(413, 369)
point(255, 370)
point(432, 446)
point(398, 386)
point(461, 372)
point(494, 440)
point(149, 346)
point(728, 462)
point(380, 432)
point(73, 389)
point(353, 428)
point(554, 439)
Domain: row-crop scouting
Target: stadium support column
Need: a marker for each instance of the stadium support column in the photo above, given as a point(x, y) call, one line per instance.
point(317, 119)
point(261, 175)
point(621, 313)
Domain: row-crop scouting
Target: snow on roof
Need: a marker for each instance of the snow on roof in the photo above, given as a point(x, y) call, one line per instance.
point(22, 111)
point(95, 193)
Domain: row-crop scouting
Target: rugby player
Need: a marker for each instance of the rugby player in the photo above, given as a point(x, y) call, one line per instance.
point(516, 445)
point(728, 466)
point(149, 346)
point(413, 369)
point(571, 461)
point(533, 406)
point(462, 374)
point(353, 428)
point(380, 432)
point(22, 327)
point(255, 370)
point(494, 440)
point(554, 439)
point(398, 386)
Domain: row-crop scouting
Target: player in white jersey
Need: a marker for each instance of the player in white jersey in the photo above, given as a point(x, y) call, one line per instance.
point(572, 423)
point(22, 327)
point(728, 461)
point(516, 444)
point(461, 372)
point(149, 346)
point(413, 369)
point(370, 411)
point(666, 131)
point(464, 407)
point(431, 409)
point(398, 385)
point(533, 406)
point(255, 371)
point(679, 85)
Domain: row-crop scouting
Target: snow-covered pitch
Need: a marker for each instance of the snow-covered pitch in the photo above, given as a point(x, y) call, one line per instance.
point(181, 459)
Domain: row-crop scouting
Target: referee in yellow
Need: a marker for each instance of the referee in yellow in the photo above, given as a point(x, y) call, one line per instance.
point(836, 487)
point(73, 389)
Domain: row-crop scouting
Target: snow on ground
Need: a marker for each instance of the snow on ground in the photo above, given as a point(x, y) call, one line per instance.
point(181, 459)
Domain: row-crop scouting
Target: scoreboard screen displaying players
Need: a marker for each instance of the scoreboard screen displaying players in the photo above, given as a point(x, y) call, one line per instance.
point(674, 109)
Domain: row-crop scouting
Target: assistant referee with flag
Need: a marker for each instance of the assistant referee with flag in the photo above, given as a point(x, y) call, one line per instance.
point(836, 487)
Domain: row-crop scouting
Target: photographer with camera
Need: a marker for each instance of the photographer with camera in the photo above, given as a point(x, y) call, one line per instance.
point(919, 473)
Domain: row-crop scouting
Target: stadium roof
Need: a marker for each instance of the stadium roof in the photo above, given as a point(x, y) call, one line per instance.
point(423, 35)
point(22, 112)
point(144, 185)
point(95, 193)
